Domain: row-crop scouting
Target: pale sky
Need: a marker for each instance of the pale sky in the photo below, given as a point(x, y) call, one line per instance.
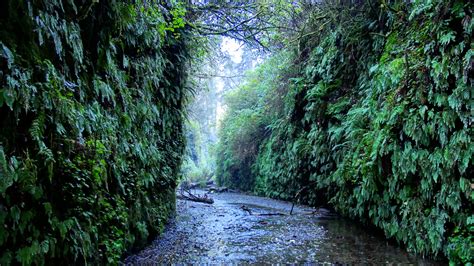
point(233, 47)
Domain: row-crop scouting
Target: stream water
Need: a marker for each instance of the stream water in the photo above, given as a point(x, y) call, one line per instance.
point(224, 233)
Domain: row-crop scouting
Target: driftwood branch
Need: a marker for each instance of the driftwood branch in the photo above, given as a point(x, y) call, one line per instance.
point(298, 194)
point(247, 209)
point(187, 195)
point(213, 189)
point(318, 211)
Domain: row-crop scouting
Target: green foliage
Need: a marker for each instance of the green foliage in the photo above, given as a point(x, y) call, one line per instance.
point(198, 165)
point(377, 123)
point(92, 98)
point(244, 126)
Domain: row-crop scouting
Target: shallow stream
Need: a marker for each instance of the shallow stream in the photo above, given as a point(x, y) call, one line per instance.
point(224, 233)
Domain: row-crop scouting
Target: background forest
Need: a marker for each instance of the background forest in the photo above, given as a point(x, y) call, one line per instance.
point(363, 106)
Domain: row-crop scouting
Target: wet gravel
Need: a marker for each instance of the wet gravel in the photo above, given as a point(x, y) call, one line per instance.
point(224, 233)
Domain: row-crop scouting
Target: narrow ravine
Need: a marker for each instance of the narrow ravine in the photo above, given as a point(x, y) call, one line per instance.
point(107, 107)
point(224, 233)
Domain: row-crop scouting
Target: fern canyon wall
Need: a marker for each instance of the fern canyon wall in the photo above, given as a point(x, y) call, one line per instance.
point(92, 99)
point(370, 111)
point(364, 108)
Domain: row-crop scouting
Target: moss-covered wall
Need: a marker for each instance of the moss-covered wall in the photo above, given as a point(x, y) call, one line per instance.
point(91, 118)
point(377, 122)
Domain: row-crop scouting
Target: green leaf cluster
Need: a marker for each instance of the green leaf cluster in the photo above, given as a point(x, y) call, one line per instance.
point(377, 122)
point(244, 126)
point(92, 103)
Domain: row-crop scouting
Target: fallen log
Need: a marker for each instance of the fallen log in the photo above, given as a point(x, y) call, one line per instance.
point(197, 198)
point(213, 189)
point(247, 209)
point(186, 185)
point(319, 211)
point(270, 214)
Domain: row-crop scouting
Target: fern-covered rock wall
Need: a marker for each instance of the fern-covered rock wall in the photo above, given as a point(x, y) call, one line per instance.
point(91, 112)
point(377, 121)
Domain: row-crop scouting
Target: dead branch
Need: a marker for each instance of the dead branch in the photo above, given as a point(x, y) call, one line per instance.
point(247, 209)
point(298, 194)
point(197, 198)
point(213, 189)
point(270, 214)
